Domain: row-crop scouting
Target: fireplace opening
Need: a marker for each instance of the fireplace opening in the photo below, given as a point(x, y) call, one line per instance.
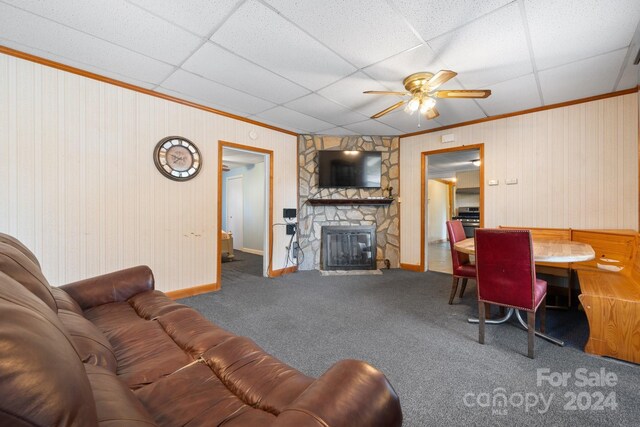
point(349, 247)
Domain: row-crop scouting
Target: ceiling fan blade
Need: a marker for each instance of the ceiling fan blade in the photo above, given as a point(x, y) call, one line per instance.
point(432, 113)
point(388, 110)
point(478, 93)
point(385, 92)
point(440, 77)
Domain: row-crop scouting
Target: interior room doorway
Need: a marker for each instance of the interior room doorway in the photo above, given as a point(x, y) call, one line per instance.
point(453, 190)
point(244, 214)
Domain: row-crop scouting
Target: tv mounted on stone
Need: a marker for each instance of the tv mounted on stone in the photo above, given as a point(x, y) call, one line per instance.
point(349, 169)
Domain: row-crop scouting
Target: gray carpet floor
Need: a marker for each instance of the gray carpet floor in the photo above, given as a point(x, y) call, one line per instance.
point(400, 322)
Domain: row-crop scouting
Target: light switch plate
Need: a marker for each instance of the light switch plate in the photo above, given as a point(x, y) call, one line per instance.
point(511, 181)
point(493, 182)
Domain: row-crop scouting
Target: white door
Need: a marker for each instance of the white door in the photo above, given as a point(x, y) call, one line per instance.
point(235, 210)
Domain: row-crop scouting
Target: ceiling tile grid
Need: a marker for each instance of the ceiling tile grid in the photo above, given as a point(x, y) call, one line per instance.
point(303, 66)
point(571, 80)
point(200, 17)
point(257, 32)
point(487, 51)
point(64, 44)
point(134, 28)
point(361, 31)
point(184, 82)
point(217, 64)
point(570, 30)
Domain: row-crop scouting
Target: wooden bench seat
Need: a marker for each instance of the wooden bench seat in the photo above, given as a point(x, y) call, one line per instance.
point(609, 285)
point(611, 301)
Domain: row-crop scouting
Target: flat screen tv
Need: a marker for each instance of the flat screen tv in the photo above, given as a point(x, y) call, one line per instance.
point(344, 169)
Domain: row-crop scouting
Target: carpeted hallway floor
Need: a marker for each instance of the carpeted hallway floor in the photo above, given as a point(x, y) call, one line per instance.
point(401, 323)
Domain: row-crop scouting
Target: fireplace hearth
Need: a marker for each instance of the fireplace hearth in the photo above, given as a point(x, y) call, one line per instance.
point(349, 247)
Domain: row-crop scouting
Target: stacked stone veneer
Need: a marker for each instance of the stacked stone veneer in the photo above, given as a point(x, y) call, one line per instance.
point(312, 218)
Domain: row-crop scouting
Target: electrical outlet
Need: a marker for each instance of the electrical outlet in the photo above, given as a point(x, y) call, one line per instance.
point(291, 229)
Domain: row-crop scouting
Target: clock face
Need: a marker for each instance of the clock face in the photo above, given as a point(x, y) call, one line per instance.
point(177, 158)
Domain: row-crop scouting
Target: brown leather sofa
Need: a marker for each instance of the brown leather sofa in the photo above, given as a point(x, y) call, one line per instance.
point(112, 351)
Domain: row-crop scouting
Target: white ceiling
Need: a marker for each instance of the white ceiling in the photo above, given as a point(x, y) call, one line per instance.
point(303, 66)
point(239, 158)
point(445, 165)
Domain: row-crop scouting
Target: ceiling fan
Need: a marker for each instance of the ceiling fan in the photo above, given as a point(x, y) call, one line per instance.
point(421, 87)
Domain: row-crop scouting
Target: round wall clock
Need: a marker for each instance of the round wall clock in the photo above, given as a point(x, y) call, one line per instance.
point(177, 158)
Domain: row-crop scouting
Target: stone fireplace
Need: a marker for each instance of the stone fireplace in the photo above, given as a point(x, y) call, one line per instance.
point(349, 247)
point(384, 218)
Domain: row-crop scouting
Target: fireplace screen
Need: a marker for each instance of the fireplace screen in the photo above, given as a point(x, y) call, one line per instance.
point(349, 248)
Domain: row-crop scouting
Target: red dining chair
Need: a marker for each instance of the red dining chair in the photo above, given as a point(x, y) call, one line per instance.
point(462, 267)
point(506, 276)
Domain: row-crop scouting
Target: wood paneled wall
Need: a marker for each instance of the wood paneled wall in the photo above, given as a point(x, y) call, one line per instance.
point(78, 184)
point(577, 166)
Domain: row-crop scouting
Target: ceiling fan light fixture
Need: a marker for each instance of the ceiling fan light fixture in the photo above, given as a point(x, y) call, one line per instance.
point(413, 105)
point(427, 104)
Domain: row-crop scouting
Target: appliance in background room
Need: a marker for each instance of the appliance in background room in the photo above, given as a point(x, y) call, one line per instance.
point(470, 218)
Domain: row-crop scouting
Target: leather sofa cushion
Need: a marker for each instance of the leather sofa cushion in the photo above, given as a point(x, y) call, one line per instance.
point(143, 349)
point(91, 344)
point(18, 266)
point(116, 405)
point(42, 380)
point(12, 241)
point(195, 396)
point(64, 301)
point(192, 332)
point(258, 378)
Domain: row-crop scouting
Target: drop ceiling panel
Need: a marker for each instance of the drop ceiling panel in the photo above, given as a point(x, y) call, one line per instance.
point(391, 72)
point(457, 111)
point(339, 131)
point(630, 76)
point(348, 92)
point(211, 92)
point(219, 65)
point(120, 23)
point(290, 118)
point(316, 106)
point(257, 32)
point(407, 123)
point(513, 95)
point(372, 127)
point(490, 50)
point(570, 30)
point(62, 44)
point(581, 79)
point(200, 101)
point(198, 16)
point(432, 18)
point(361, 31)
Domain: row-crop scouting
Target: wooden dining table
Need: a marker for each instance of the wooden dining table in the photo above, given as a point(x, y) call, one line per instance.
point(544, 250)
point(552, 251)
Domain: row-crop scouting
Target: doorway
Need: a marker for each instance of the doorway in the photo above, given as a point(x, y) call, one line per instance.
point(452, 180)
point(244, 211)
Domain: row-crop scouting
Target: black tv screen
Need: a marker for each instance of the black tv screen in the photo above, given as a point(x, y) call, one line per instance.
point(349, 168)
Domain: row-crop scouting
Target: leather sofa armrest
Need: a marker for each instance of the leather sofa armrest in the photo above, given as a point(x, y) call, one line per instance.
point(112, 287)
point(350, 394)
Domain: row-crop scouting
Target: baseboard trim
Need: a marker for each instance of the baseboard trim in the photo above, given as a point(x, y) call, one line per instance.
point(195, 290)
point(252, 251)
point(283, 271)
point(411, 267)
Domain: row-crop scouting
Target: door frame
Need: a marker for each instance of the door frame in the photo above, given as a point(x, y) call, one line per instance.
point(423, 190)
point(269, 244)
point(226, 184)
